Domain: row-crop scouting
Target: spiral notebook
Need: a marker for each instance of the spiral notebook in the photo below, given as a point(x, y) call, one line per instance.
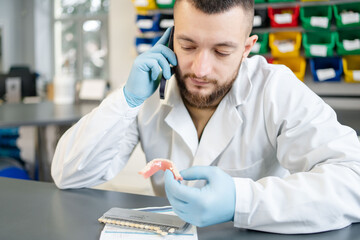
point(174, 228)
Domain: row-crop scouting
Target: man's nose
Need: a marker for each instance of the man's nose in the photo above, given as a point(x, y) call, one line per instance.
point(201, 66)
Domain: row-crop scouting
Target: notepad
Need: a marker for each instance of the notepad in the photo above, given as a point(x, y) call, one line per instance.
point(113, 231)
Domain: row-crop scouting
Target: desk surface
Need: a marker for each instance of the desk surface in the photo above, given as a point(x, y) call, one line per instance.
point(43, 113)
point(37, 210)
point(350, 118)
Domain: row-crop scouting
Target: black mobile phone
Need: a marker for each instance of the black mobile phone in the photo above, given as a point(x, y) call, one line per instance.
point(163, 80)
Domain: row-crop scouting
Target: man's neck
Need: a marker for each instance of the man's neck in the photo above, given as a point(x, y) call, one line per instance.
point(200, 117)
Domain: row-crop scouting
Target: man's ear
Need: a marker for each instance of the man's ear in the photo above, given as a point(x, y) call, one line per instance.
point(249, 43)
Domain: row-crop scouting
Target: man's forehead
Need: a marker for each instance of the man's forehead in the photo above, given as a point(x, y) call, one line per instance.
point(216, 42)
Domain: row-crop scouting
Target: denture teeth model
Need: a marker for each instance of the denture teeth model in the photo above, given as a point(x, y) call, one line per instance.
point(160, 164)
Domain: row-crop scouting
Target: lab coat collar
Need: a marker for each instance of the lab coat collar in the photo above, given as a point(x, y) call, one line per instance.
point(241, 88)
point(221, 127)
point(179, 118)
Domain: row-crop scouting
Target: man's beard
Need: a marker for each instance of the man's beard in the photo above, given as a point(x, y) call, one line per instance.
point(198, 100)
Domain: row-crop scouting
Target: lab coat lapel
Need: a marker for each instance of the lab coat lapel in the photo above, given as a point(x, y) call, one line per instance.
point(217, 134)
point(221, 127)
point(225, 122)
point(179, 118)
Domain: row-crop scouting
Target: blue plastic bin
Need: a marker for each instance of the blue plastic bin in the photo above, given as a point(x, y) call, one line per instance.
point(143, 44)
point(13, 152)
point(11, 168)
point(146, 23)
point(13, 132)
point(325, 63)
point(164, 21)
point(8, 141)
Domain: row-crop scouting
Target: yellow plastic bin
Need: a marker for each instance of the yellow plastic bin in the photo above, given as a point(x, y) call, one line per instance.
point(296, 64)
point(351, 65)
point(143, 6)
point(285, 44)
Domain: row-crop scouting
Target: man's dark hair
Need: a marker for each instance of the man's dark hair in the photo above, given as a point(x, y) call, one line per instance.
point(220, 6)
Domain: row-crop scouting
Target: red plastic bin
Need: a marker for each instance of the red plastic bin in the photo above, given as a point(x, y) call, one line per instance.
point(284, 17)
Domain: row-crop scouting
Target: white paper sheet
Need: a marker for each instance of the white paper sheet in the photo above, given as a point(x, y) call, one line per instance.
point(356, 75)
point(322, 22)
point(350, 17)
point(318, 50)
point(283, 18)
point(256, 48)
point(112, 232)
point(325, 74)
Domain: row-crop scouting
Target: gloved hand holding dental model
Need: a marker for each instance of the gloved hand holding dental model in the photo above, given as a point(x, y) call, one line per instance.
point(214, 203)
point(143, 78)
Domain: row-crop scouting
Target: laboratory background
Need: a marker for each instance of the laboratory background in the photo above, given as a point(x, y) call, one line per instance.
point(60, 58)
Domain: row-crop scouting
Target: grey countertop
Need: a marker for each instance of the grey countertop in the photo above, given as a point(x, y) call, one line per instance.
point(36, 210)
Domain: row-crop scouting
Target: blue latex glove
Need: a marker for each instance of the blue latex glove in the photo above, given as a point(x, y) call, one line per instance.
point(144, 75)
point(214, 203)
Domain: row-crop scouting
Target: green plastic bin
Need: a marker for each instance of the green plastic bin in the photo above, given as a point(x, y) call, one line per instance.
point(348, 42)
point(316, 17)
point(165, 3)
point(281, 1)
point(319, 44)
point(260, 1)
point(262, 44)
point(351, 20)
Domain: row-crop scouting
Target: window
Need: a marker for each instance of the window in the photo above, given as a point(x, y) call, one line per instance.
point(1, 57)
point(81, 38)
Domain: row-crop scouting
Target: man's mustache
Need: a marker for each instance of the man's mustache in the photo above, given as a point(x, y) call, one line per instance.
point(203, 79)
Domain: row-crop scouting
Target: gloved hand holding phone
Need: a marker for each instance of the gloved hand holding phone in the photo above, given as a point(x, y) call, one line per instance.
point(144, 76)
point(214, 203)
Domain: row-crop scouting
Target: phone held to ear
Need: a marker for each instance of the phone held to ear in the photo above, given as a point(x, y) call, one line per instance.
point(163, 80)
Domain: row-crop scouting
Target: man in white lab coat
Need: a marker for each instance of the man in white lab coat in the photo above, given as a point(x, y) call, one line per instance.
point(271, 152)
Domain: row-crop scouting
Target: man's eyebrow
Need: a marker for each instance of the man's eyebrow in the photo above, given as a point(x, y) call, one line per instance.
point(222, 44)
point(185, 38)
point(226, 44)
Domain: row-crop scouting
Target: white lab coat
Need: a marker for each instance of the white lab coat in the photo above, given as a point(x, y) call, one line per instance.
point(296, 169)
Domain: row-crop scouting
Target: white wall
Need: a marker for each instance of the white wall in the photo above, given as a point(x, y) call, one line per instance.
point(43, 52)
point(27, 34)
point(9, 23)
point(16, 18)
point(122, 32)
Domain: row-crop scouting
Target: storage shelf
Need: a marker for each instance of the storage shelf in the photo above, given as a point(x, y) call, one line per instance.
point(332, 89)
point(300, 29)
point(302, 54)
point(339, 89)
point(302, 4)
point(276, 5)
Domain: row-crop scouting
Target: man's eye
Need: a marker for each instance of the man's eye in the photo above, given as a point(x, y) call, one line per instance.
point(222, 54)
point(187, 48)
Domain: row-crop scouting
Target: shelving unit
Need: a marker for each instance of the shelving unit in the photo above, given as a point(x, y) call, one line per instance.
point(327, 90)
point(295, 29)
point(301, 3)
